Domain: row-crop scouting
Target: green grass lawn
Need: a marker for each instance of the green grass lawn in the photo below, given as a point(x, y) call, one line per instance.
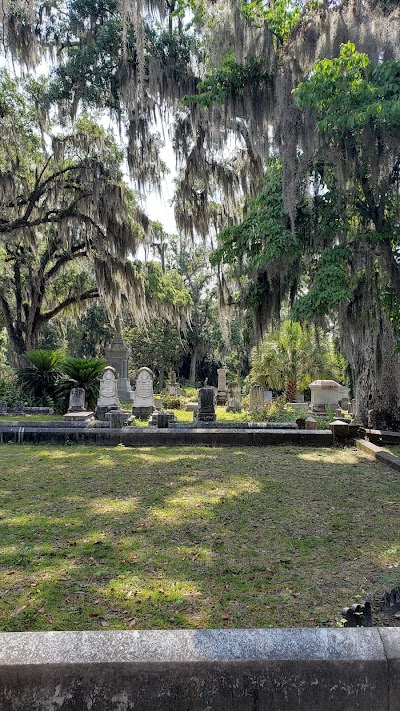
point(116, 538)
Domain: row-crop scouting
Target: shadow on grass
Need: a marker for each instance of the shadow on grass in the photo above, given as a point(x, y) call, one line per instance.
point(190, 537)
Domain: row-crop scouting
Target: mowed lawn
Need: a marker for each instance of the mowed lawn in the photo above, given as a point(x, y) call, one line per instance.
point(121, 538)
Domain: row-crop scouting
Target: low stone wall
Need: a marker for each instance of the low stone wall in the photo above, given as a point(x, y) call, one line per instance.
point(383, 436)
point(379, 454)
point(150, 437)
point(233, 425)
point(202, 670)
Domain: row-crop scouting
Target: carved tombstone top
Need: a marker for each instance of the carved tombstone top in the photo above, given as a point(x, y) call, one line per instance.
point(144, 388)
point(108, 395)
point(173, 377)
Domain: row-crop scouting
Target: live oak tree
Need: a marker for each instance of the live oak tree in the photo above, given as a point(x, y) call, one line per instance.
point(68, 222)
point(238, 63)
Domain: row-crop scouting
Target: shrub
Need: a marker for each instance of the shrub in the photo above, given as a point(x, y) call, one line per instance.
point(38, 381)
point(83, 373)
point(170, 402)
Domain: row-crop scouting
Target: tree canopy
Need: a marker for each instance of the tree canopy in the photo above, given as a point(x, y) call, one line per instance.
point(285, 123)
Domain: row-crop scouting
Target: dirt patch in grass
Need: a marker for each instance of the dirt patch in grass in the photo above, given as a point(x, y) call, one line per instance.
point(116, 538)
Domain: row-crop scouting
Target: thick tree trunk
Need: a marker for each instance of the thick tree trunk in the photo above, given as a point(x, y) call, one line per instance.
point(376, 376)
point(193, 366)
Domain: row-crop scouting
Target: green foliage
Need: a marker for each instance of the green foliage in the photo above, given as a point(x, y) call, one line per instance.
point(159, 347)
point(292, 356)
point(229, 81)
point(83, 373)
point(281, 16)
point(330, 287)
point(348, 92)
point(170, 402)
point(168, 287)
point(264, 235)
point(88, 334)
point(39, 380)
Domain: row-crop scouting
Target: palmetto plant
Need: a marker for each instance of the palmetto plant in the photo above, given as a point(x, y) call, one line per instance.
point(38, 381)
point(84, 373)
point(291, 356)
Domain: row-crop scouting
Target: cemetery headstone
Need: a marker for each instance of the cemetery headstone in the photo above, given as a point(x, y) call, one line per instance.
point(173, 387)
point(108, 394)
point(154, 419)
point(117, 356)
point(324, 393)
point(221, 387)
point(344, 403)
point(3, 407)
point(206, 411)
point(234, 398)
point(143, 404)
point(76, 410)
point(256, 400)
point(76, 400)
point(267, 396)
point(117, 418)
point(158, 403)
point(18, 408)
point(311, 424)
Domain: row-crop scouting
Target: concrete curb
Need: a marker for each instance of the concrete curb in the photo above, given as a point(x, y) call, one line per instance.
point(355, 669)
point(379, 454)
point(149, 437)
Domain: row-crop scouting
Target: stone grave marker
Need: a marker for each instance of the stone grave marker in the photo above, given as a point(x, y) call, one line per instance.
point(310, 423)
point(108, 394)
point(234, 398)
point(256, 400)
point(143, 404)
point(3, 407)
point(18, 408)
point(221, 387)
point(76, 410)
point(173, 387)
point(76, 400)
point(206, 411)
point(117, 356)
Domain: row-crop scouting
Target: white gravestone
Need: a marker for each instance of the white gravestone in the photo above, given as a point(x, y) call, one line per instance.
point(143, 404)
point(108, 394)
point(221, 387)
point(324, 393)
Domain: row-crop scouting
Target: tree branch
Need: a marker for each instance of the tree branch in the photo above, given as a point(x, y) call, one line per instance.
point(75, 252)
point(90, 294)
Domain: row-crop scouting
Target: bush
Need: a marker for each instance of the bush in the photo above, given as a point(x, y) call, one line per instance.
point(170, 402)
point(38, 381)
point(83, 373)
point(277, 411)
point(192, 394)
